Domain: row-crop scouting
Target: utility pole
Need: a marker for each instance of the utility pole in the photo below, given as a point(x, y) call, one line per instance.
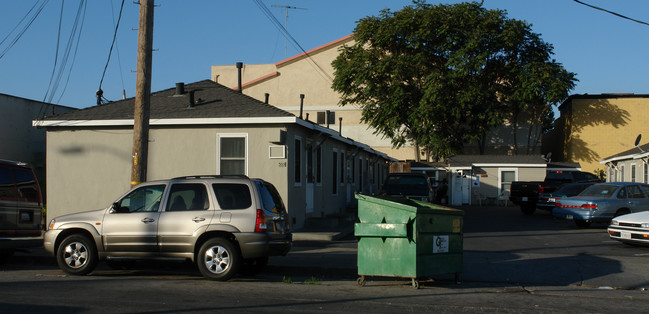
point(142, 93)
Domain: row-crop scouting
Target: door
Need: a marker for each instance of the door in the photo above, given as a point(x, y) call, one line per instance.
point(132, 224)
point(310, 178)
point(186, 212)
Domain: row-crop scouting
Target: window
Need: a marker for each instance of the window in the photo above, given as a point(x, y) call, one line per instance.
point(144, 199)
point(270, 198)
point(633, 173)
point(326, 117)
point(506, 179)
point(188, 196)
point(334, 168)
point(298, 160)
point(342, 167)
point(232, 196)
point(232, 154)
point(621, 178)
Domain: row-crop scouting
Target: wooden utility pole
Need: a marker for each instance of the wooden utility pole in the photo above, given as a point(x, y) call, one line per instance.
point(142, 93)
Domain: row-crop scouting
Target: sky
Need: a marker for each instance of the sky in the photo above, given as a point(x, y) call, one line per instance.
point(609, 54)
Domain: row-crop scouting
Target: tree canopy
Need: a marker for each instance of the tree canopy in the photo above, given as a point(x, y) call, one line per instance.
point(441, 76)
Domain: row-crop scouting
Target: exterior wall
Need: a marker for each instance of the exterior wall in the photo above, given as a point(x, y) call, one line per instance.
point(593, 128)
point(624, 171)
point(20, 140)
point(96, 165)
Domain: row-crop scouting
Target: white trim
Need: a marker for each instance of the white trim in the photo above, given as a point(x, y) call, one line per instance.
point(510, 165)
point(218, 149)
point(190, 121)
point(270, 150)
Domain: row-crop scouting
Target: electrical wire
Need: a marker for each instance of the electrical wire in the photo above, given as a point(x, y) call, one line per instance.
point(611, 12)
point(119, 60)
point(24, 29)
point(111, 46)
point(293, 41)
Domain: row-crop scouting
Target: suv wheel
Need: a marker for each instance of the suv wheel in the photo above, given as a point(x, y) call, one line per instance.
point(218, 259)
point(77, 255)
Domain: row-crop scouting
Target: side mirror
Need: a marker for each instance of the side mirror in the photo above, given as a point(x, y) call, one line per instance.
point(116, 208)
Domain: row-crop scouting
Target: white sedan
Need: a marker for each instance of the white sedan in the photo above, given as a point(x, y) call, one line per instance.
point(631, 228)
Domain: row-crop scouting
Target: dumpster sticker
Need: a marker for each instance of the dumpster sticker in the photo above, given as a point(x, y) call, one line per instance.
point(440, 244)
point(457, 227)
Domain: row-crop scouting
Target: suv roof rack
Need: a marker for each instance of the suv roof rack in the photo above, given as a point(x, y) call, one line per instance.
point(210, 176)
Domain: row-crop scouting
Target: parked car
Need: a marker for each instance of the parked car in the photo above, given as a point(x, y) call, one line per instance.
point(222, 223)
point(603, 201)
point(411, 185)
point(526, 193)
point(21, 208)
point(547, 201)
point(630, 228)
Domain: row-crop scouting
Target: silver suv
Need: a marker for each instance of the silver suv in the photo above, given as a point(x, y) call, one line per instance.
point(225, 224)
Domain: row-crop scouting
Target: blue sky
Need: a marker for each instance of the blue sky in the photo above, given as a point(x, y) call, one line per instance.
point(608, 53)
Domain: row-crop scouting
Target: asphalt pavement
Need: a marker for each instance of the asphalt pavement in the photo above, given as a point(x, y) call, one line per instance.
point(332, 254)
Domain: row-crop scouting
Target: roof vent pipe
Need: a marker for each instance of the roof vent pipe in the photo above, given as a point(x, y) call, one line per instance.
point(327, 114)
point(340, 125)
point(239, 67)
point(180, 88)
point(301, 104)
point(191, 99)
point(266, 96)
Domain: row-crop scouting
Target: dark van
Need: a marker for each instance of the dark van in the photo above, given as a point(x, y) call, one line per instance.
point(21, 221)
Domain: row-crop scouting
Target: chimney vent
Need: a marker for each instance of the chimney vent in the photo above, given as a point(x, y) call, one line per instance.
point(239, 67)
point(191, 99)
point(180, 88)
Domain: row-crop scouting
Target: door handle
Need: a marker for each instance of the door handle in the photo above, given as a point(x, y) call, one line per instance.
point(198, 219)
point(148, 220)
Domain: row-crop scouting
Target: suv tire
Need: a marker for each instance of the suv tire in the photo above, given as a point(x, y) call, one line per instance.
point(77, 255)
point(218, 259)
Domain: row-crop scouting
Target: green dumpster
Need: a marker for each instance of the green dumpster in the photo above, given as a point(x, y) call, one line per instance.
point(400, 237)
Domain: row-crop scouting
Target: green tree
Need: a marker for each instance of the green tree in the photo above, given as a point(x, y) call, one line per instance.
point(438, 76)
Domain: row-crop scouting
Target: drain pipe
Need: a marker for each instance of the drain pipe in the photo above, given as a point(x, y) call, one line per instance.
point(239, 67)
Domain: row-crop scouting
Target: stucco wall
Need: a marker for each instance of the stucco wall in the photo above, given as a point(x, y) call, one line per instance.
point(600, 128)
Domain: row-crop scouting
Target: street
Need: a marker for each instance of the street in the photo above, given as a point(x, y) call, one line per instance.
point(512, 263)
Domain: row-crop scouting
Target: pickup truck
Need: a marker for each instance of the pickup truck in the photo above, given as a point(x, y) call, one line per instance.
point(526, 193)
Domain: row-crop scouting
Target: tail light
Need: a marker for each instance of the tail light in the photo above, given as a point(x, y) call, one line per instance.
point(541, 189)
point(583, 206)
point(260, 222)
point(589, 206)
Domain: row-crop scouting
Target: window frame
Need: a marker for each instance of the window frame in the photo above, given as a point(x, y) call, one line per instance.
point(219, 158)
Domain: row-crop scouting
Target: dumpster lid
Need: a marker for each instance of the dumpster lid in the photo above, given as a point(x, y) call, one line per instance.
point(409, 205)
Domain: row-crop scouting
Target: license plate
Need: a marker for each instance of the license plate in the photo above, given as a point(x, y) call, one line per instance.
point(552, 200)
point(524, 199)
point(625, 235)
point(568, 216)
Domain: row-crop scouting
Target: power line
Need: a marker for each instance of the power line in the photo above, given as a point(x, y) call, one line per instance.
point(24, 29)
point(99, 91)
point(611, 12)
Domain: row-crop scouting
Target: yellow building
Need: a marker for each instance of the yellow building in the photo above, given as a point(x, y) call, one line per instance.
point(593, 127)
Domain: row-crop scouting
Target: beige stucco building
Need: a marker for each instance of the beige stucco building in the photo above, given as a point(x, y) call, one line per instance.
point(311, 74)
point(593, 127)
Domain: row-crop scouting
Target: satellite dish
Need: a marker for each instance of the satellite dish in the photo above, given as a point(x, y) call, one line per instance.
point(637, 139)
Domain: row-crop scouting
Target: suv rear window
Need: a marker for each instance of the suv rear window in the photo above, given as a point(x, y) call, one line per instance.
point(270, 198)
point(232, 195)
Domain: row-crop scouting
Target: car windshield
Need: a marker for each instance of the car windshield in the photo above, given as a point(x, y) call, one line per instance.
point(412, 185)
point(600, 190)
